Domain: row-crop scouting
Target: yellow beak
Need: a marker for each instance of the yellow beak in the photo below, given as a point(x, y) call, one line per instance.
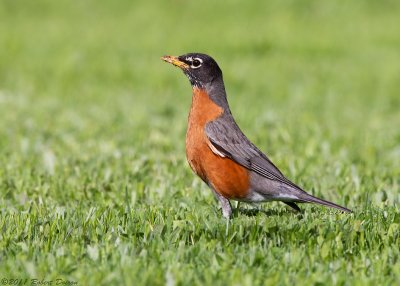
point(175, 61)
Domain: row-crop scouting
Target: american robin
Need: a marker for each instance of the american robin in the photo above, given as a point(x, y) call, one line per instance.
point(218, 151)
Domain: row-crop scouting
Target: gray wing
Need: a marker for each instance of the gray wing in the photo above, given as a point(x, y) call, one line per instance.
point(228, 139)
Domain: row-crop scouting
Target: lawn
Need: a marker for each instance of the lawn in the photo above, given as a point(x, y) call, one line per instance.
point(94, 184)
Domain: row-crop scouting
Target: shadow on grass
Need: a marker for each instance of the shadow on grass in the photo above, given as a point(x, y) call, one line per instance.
point(272, 212)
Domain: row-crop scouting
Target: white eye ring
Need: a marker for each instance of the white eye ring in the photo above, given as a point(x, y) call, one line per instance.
point(198, 62)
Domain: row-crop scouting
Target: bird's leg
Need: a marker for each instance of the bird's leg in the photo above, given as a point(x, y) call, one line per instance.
point(226, 211)
point(225, 205)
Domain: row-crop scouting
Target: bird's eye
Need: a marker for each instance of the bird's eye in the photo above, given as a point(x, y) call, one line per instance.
point(196, 63)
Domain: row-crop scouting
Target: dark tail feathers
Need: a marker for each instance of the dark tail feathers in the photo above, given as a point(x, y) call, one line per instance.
point(311, 199)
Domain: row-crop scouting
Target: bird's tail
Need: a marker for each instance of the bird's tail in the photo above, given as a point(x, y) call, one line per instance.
point(311, 199)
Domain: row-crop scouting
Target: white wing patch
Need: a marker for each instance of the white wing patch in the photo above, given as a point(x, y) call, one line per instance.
point(215, 150)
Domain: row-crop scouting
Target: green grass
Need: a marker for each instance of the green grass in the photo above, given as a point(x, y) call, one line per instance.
point(94, 186)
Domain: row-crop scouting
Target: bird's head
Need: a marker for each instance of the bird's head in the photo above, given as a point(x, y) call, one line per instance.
point(201, 69)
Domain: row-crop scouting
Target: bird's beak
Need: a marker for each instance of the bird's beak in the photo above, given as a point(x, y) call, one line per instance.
point(175, 61)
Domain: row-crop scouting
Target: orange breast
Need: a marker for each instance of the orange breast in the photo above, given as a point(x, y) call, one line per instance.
point(228, 178)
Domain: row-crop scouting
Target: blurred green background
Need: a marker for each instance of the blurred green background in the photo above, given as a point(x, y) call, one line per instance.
point(94, 186)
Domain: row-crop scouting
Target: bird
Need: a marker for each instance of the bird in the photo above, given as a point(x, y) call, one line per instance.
point(219, 152)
